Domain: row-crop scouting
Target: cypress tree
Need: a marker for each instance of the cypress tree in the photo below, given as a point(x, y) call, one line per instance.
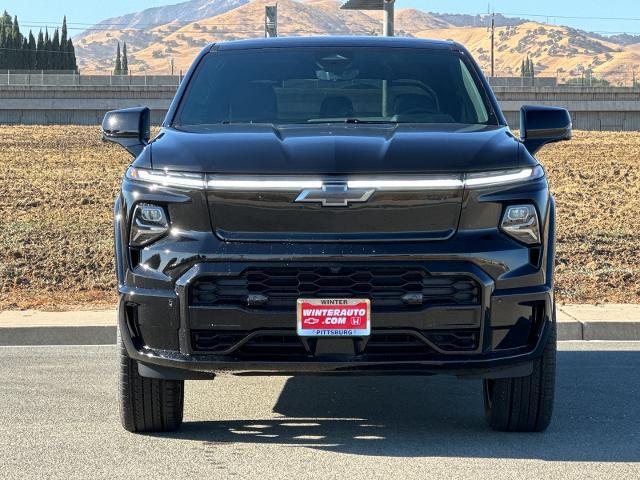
point(71, 52)
point(532, 70)
point(18, 51)
point(32, 65)
point(3, 53)
point(6, 35)
point(125, 61)
point(55, 53)
point(2, 30)
point(24, 54)
point(522, 69)
point(118, 69)
point(64, 55)
point(16, 43)
point(40, 59)
point(46, 54)
point(15, 30)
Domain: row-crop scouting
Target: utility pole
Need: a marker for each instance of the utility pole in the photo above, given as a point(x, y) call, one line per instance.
point(493, 38)
point(389, 21)
point(271, 21)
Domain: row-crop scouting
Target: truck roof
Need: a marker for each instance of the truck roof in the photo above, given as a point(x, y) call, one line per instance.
point(335, 41)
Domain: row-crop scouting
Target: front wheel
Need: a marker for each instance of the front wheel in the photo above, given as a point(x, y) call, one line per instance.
point(147, 404)
point(524, 404)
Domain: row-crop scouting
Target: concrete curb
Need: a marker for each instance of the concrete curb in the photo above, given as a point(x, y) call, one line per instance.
point(32, 327)
point(599, 322)
point(76, 335)
point(19, 328)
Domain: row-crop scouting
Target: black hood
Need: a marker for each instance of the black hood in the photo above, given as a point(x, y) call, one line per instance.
point(336, 149)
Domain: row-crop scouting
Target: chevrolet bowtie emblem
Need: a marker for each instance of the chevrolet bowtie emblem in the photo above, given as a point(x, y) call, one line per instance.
point(335, 195)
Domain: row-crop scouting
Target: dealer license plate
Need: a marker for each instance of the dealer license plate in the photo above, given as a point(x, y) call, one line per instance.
point(339, 317)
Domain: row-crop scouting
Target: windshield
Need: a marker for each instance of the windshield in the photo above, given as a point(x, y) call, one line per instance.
point(326, 84)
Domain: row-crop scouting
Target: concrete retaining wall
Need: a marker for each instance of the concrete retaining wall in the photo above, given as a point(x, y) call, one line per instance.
point(611, 108)
point(78, 105)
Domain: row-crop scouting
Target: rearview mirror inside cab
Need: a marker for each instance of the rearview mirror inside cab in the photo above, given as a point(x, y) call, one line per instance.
point(129, 127)
point(542, 125)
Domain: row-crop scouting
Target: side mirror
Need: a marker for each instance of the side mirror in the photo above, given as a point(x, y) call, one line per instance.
point(542, 125)
point(129, 127)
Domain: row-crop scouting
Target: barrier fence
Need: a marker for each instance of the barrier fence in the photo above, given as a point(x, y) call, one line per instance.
point(70, 79)
point(45, 78)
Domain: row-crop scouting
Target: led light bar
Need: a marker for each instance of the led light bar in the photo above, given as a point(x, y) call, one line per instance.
point(166, 178)
point(247, 183)
point(409, 183)
point(484, 179)
point(220, 183)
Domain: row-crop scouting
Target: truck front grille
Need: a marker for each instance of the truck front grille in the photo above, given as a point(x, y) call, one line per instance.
point(388, 343)
point(389, 288)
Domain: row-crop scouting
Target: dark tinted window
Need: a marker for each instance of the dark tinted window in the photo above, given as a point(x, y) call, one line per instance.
point(306, 85)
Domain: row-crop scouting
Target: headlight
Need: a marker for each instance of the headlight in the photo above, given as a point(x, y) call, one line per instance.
point(166, 178)
point(521, 223)
point(149, 223)
point(485, 179)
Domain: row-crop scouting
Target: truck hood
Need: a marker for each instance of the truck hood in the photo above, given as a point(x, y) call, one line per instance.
point(335, 149)
point(340, 151)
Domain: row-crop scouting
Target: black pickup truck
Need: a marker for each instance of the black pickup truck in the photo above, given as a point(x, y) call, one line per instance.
point(342, 205)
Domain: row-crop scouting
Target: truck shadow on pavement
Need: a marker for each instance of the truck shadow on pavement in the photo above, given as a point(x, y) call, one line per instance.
point(597, 417)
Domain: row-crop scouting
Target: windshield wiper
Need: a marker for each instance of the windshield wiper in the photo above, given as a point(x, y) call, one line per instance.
point(353, 120)
point(358, 120)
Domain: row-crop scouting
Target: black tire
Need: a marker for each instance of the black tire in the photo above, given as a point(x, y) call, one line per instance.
point(147, 404)
point(524, 404)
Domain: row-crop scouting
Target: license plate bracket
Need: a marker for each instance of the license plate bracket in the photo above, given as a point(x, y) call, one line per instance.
point(334, 317)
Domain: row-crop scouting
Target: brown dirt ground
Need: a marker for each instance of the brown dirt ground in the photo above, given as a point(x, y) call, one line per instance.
point(57, 186)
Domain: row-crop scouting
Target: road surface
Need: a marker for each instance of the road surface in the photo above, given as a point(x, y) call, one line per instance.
point(58, 419)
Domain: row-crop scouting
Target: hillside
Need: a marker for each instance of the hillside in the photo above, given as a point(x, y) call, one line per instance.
point(152, 48)
point(157, 36)
point(555, 50)
point(188, 11)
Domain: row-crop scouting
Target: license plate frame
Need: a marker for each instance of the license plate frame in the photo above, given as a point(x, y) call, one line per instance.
point(328, 323)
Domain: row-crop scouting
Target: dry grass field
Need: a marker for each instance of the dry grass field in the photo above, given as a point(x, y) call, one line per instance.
point(57, 187)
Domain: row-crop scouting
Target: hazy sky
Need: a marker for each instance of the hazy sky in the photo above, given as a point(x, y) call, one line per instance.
point(32, 13)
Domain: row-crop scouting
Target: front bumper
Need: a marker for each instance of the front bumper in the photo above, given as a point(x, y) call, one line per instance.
point(510, 327)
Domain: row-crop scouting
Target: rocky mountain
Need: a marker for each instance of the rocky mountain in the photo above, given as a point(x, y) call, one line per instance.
point(172, 35)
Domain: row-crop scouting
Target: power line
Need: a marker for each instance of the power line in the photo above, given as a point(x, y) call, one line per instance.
point(539, 15)
point(571, 17)
point(100, 24)
point(35, 50)
point(30, 25)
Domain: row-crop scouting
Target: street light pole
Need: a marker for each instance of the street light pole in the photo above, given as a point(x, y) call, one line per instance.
point(271, 21)
point(388, 14)
point(493, 42)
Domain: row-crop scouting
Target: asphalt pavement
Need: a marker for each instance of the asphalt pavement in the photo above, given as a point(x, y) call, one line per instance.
point(59, 419)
